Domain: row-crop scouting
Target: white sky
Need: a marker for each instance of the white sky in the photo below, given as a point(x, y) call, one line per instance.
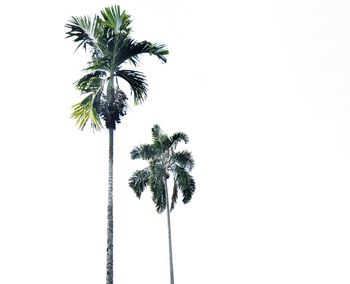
point(261, 88)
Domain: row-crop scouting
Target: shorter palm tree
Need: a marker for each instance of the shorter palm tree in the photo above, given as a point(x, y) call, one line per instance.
point(164, 161)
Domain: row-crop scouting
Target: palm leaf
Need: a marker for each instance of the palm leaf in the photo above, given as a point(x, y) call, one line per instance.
point(137, 83)
point(130, 51)
point(178, 137)
point(156, 133)
point(156, 182)
point(84, 30)
point(85, 111)
point(183, 159)
point(145, 152)
point(185, 183)
point(165, 143)
point(139, 181)
point(116, 20)
point(160, 139)
point(99, 63)
point(135, 153)
point(91, 82)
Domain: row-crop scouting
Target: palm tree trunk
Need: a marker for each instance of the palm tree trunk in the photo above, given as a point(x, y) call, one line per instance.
point(169, 235)
point(109, 277)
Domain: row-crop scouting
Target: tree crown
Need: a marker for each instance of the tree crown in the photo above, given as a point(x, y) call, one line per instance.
point(164, 161)
point(107, 38)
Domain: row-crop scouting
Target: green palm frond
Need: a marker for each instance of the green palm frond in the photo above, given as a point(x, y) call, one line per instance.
point(91, 82)
point(178, 137)
point(137, 82)
point(135, 153)
point(165, 143)
point(156, 182)
point(84, 30)
point(99, 63)
point(185, 183)
point(157, 49)
point(118, 21)
point(139, 181)
point(158, 136)
point(130, 50)
point(156, 133)
point(183, 159)
point(145, 152)
point(85, 111)
point(160, 139)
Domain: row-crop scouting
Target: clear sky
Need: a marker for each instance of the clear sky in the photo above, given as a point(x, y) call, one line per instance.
point(261, 88)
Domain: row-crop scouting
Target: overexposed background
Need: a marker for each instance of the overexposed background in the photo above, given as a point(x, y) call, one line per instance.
point(262, 88)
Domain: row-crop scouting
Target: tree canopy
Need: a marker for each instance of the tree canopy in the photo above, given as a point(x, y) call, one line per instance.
point(107, 38)
point(164, 161)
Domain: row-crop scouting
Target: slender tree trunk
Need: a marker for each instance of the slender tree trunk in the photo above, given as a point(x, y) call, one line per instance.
point(169, 235)
point(109, 277)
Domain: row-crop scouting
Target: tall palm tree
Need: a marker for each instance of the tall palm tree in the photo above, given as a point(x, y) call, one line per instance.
point(164, 161)
point(107, 39)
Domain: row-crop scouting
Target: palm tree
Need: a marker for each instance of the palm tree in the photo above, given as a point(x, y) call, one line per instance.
point(164, 161)
point(107, 39)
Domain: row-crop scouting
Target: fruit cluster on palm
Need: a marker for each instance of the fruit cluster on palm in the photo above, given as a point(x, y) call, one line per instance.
point(163, 162)
point(107, 38)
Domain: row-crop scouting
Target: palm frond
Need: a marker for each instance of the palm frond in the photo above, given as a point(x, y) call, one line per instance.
point(84, 31)
point(137, 83)
point(183, 159)
point(160, 139)
point(86, 110)
point(144, 151)
point(130, 50)
point(91, 82)
point(178, 137)
point(118, 21)
point(135, 153)
point(156, 133)
point(139, 181)
point(159, 50)
point(165, 143)
point(185, 183)
point(99, 63)
point(156, 182)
